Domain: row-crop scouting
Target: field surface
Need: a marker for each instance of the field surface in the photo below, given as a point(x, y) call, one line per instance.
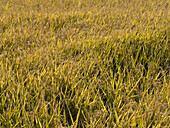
point(84, 63)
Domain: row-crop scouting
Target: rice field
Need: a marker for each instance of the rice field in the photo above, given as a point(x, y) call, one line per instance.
point(84, 64)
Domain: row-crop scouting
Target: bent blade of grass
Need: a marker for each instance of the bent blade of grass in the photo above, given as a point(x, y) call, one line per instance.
point(103, 106)
point(70, 113)
point(134, 86)
point(77, 118)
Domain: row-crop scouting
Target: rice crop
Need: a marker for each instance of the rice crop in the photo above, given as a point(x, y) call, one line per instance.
point(84, 63)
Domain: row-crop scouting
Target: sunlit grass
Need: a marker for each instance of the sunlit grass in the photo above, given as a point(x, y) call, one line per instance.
point(84, 63)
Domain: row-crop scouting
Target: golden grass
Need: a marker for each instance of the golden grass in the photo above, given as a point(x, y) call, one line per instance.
point(84, 63)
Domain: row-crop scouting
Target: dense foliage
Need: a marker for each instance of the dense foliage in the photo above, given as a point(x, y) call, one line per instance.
point(84, 63)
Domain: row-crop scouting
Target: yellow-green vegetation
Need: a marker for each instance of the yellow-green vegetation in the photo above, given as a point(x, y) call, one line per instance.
point(84, 63)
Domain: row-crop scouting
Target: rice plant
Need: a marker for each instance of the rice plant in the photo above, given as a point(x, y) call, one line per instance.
point(84, 63)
